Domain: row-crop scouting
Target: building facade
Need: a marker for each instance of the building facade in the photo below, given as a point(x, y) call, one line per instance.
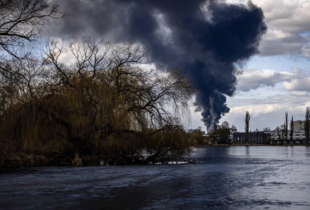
point(254, 137)
point(297, 135)
point(299, 125)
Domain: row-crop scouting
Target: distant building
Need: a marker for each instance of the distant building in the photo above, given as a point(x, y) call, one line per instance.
point(254, 137)
point(299, 125)
point(297, 135)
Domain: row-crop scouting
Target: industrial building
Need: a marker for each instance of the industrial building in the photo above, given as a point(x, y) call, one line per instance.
point(259, 137)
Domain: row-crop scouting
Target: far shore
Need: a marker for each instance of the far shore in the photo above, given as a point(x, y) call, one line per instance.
point(234, 144)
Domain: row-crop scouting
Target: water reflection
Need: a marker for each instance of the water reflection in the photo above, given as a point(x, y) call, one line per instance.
point(307, 151)
point(290, 151)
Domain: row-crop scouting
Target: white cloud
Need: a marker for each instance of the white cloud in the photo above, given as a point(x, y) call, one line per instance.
point(286, 15)
point(297, 82)
point(297, 85)
point(268, 93)
point(306, 50)
point(276, 34)
point(287, 21)
point(277, 42)
point(268, 112)
point(253, 79)
point(299, 93)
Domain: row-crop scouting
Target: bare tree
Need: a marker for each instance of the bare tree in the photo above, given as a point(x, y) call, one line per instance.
point(267, 129)
point(278, 131)
point(113, 97)
point(225, 124)
point(307, 124)
point(291, 129)
point(247, 125)
point(21, 22)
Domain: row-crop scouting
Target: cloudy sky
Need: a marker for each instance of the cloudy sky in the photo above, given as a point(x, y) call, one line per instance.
point(206, 47)
point(278, 79)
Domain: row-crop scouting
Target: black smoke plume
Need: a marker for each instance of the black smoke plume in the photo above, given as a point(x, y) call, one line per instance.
point(204, 38)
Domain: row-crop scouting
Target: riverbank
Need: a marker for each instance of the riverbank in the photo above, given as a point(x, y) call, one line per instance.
point(239, 144)
point(20, 161)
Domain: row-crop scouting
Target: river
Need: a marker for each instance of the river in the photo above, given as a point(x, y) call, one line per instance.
point(262, 177)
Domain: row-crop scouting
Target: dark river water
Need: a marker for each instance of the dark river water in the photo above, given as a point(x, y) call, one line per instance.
point(222, 178)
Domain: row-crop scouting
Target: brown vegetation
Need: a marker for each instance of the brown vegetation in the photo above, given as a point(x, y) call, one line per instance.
point(101, 107)
point(221, 134)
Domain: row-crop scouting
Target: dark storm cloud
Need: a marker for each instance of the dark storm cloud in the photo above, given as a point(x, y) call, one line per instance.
point(178, 34)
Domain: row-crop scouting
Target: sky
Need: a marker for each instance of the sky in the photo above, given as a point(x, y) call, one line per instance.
point(233, 61)
point(278, 79)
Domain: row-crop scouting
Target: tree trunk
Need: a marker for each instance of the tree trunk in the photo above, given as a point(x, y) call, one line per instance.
point(77, 160)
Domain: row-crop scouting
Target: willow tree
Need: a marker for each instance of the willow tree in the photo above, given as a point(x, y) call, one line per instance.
point(20, 118)
point(247, 126)
point(21, 21)
point(103, 103)
point(104, 99)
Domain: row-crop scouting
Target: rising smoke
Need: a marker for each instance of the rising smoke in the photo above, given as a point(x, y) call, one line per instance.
point(205, 39)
